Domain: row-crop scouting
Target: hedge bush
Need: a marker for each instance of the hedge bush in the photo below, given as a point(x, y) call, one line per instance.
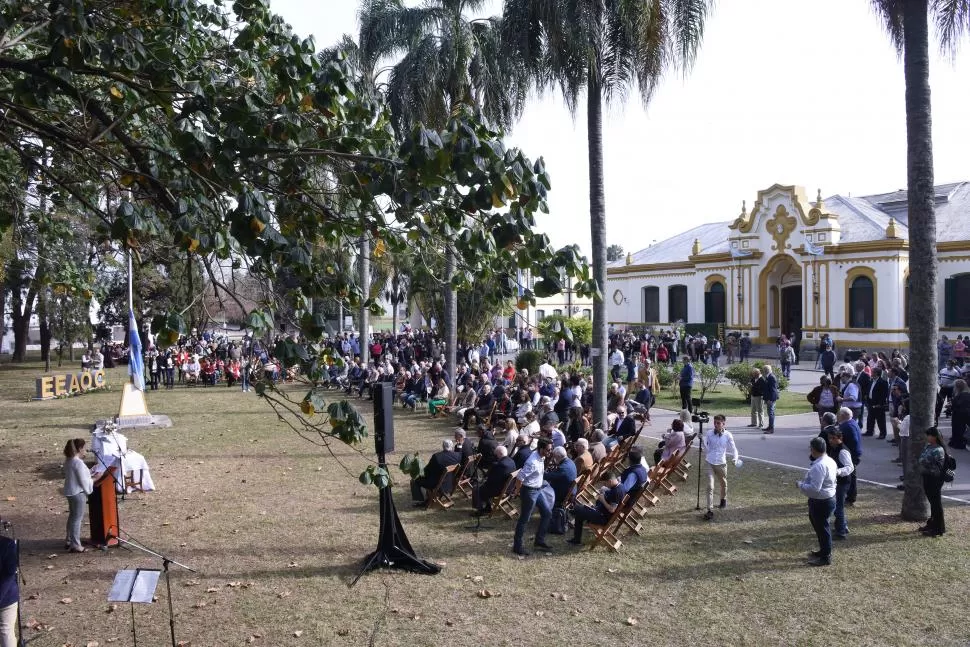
point(529, 359)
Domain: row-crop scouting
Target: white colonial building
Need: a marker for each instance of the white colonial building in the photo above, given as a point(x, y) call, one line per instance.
point(838, 265)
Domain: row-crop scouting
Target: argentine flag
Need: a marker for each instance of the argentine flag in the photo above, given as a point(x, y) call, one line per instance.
point(136, 365)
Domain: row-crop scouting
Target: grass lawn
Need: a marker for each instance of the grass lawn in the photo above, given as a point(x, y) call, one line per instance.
point(728, 400)
point(277, 528)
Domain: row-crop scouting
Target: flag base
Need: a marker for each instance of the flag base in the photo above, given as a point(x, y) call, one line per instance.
point(132, 403)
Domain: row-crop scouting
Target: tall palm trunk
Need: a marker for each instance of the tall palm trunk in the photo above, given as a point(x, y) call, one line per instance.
point(365, 288)
point(923, 325)
point(451, 317)
point(597, 226)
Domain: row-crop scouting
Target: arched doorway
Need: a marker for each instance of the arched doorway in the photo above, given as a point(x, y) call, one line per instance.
point(780, 296)
point(715, 303)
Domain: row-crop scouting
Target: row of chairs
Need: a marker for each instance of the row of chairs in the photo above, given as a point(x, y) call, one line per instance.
point(629, 514)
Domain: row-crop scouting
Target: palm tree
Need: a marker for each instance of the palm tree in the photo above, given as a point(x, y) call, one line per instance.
point(908, 24)
point(447, 59)
point(605, 48)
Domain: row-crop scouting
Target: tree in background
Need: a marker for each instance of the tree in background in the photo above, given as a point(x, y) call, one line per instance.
point(602, 48)
point(448, 58)
point(614, 253)
point(908, 24)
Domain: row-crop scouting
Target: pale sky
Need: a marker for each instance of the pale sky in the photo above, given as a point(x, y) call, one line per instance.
point(783, 91)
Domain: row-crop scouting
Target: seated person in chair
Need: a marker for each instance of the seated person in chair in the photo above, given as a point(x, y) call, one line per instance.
point(561, 475)
point(436, 466)
point(192, 369)
point(623, 427)
point(583, 459)
point(634, 477)
point(486, 447)
point(596, 448)
point(610, 496)
point(522, 451)
point(498, 474)
point(673, 441)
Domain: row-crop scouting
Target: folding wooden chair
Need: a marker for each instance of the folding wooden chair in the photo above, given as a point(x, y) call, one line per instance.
point(637, 510)
point(487, 420)
point(441, 494)
point(587, 495)
point(669, 470)
point(606, 533)
point(510, 490)
point(464, 482)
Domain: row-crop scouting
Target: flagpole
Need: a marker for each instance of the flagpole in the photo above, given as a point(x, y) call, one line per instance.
point(131, 299)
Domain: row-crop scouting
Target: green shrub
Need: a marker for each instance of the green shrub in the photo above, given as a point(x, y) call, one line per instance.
point(707, 377)
point(578, 330)
point(530, 360)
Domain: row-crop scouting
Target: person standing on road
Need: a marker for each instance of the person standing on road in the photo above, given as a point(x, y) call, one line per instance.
point(686, 384)
point(757, 394)
point(770, 396)
point(719, 443)
point(819, 485)
point(843, 476)
point(852, 438)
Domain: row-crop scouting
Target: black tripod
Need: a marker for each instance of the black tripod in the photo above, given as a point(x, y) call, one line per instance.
point(700, 418)
point(393, 548)
point(168, 582)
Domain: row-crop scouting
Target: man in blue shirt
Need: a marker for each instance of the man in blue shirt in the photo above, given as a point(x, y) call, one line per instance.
point(852, 439)
point(686, 384)
point(531, 475)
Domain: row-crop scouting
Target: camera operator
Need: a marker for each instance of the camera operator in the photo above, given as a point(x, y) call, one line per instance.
point(719, 443)
point(9, 592)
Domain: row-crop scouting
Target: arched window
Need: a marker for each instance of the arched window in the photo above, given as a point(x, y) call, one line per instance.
point(651, 304)
point(677, 303)
point(715, 304)
point(956, 309)
point(862, 303)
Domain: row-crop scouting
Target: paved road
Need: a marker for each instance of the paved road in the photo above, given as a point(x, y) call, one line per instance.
point(788, 447)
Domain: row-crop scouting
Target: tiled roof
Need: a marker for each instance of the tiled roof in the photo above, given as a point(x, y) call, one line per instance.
point(713, 238)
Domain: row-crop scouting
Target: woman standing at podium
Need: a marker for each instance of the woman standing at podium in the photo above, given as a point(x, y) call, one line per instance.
point(77, 486)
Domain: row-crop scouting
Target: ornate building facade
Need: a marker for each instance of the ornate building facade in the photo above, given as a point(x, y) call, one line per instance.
point(838, 265)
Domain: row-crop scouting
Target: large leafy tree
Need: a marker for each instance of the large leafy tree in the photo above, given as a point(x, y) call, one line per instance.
point(908, 22)
point(602, 48)
point(448, 58)
point(184, 128)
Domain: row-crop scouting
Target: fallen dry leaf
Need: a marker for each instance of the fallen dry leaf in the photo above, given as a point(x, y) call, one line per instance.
point(52, 556)
point(297, 633)
point(611, 570)
point(212, 589)
point(33, 596)
point(449, 623)
point(66, 600)
point(191, 583)
point(111, 608)
point(343, 632)
point(233, 585)
point(11, 498)
point(92, 643)
point(632, 621)
point(283, 594)
point(293, 564)
point(200, 604)
point(484, 593)
point(540, 613)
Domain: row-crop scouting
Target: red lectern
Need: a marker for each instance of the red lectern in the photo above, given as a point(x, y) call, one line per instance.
point(103, 510)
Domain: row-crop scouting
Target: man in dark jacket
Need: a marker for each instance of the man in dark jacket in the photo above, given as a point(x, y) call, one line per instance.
point(562, 476)
point(498, 474)
point(878, 402)
point(486, 447)
point(852, 439)
point(436, 466)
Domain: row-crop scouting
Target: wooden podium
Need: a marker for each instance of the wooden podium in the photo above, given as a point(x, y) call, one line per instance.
point(103, 510)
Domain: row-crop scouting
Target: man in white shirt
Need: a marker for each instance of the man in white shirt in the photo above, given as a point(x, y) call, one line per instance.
point(819, 486)
point(718, 443)
point(616, 363)
point(530, 498)
point(547, 371)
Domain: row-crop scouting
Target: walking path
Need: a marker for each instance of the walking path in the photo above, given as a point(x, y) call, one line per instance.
point(788, 447)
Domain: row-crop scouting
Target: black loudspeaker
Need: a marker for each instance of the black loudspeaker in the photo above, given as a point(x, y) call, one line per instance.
point(383, 394)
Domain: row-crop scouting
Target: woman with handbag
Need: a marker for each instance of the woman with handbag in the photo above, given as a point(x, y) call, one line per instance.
point(932, 465)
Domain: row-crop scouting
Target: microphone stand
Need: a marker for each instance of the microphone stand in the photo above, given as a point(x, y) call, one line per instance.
point(168, 582)
point(114, 478)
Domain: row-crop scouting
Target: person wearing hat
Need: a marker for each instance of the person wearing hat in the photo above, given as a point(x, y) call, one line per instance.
point(819, 485)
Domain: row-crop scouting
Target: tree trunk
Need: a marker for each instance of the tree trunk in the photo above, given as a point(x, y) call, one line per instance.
point(923, 325)
point(450, 318)
point(45, 330)
point(365, 288)
point(597, 226)
point(22, 309)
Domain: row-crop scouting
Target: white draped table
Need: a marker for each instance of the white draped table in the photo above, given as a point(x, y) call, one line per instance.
point(111, 448)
